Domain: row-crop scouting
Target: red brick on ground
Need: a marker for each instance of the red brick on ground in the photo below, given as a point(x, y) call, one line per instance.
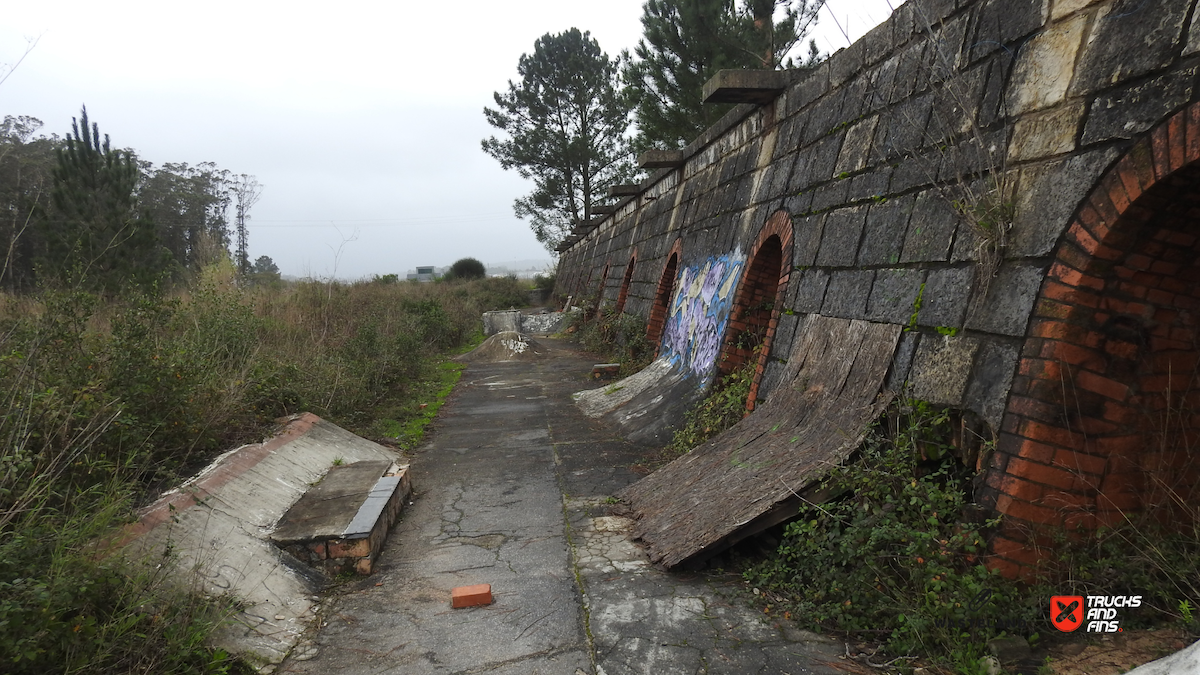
point(471, 596)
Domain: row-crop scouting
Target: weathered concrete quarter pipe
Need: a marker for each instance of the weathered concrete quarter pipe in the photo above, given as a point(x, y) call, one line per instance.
point(1013, 185)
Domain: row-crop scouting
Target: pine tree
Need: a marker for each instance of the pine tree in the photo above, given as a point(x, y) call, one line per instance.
point(566, 122)
point(685, 42)
point(92, 232)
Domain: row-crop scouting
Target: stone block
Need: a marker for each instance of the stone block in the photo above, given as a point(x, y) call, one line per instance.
point(810, 89)
point(1129, 38)
point(916, 170)
point(910, 70)
point(1046, 133)
point(902, 360)
point(904, 130)
point(987, 393)
point(840, 238)
point(1003, 21)
point(1063, 8)
point(1009, 300)
point(1045, 66)
point(471, 596)
point(830, 195)
point(1129, 111)
point(847, 293)
point(807, 290)
point(807, 239)
point(872, 185)
point(894, 295)
point(886, 225)
point(1193, 39)
point(946, 297)
point(1046, 197)
point(930, 229)
point(1009, 649)
point(824, 116)
point(785, 330)
point(856, 147)
point(877, 43)
point(991, 107)
point(941, 369)
point(845, 63)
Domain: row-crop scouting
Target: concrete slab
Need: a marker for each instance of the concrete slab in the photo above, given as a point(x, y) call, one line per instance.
point(216, 527)
point(515, 487)
point(648, 405)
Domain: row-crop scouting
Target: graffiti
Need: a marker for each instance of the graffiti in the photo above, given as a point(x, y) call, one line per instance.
point(700, 311)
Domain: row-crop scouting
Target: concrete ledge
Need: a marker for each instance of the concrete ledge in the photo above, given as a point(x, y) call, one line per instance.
point(216, 530)
point(744, 86)
point(342, 524)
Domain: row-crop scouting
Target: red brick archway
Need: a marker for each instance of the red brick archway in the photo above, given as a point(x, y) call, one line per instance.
point(625, 282)
point(1104, 411)
point(757, 301)
point(662, 296)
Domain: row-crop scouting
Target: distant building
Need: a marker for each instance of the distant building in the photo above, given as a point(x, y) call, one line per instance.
point(422, 274)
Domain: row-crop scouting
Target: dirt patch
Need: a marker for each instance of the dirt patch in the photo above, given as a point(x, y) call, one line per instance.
point(504, 346)
point(1113, 654)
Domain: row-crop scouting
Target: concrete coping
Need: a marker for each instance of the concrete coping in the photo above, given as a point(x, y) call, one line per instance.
point(335, 507)
point(757, 87)
point(624, 190)
point(661, 159)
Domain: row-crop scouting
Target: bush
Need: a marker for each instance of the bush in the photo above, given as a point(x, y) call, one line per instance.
point(467, 268)
point(620, 338)
point(895, 556)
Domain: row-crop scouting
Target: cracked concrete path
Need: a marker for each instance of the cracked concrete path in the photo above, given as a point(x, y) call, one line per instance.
point(513, 490)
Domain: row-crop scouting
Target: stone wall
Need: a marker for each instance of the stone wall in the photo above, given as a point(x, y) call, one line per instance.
point(943, 174)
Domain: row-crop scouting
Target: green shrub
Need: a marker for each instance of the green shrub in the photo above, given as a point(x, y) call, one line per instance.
point(466, 268)
point(620, 338)
point(894, 555)
point(723, 407)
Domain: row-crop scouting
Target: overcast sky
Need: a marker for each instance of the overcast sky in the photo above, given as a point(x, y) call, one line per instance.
point(362, 122)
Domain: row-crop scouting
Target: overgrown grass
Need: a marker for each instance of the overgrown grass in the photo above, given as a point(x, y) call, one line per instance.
point(107, 402)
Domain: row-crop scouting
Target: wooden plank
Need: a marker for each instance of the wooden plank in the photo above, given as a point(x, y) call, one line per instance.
point(753, 473)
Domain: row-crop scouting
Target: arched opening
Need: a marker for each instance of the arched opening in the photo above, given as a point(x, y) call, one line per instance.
point(753, 310)
point(1104, 416)
point(756, 305)
point(625, 282)
point(662, 301)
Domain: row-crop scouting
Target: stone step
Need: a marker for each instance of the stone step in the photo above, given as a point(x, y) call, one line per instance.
point(342, 522)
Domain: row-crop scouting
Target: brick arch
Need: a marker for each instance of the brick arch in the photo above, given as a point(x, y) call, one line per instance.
point(662, 295)
point(1097, 425)
point(625, 283)
point(757, 301)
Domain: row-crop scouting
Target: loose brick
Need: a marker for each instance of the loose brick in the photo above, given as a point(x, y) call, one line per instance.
point(471, 596)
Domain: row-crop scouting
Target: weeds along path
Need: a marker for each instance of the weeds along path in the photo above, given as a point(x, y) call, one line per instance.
point(513, 490)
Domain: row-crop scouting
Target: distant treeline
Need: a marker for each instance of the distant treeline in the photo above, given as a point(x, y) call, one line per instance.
point(75, 211)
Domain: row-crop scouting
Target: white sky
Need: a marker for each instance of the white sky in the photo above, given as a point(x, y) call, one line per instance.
point(363, 122)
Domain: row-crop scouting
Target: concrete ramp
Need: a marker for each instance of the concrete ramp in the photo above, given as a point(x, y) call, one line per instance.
point(757, 473)
point(217, 527)
point(648, 404)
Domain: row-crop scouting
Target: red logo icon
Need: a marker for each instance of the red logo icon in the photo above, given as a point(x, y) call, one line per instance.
point(1066, 612)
